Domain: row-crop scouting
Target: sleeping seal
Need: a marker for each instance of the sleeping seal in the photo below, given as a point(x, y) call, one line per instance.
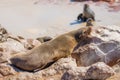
point(61, 46)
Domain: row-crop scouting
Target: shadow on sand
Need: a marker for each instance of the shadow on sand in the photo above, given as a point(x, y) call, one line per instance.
point(76, 22)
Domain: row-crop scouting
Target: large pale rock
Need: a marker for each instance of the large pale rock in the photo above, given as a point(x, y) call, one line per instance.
point(98, 71)
point(8, 48)
point(30, 43)
point(15, 45)
point(55, 71)
point(103, 46)
point(12, 46)
point(27, 43)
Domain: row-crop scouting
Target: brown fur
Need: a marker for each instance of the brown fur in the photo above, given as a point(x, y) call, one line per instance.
point(88, 13)
point(40, 56)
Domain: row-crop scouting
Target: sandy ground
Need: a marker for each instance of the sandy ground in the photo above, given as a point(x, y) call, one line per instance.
point(31, 18)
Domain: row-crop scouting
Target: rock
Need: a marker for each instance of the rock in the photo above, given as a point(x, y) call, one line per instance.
point(3, 34)
point(114, 77)
point(8, 48)
point(117, 67)
point(61, 66)
point(57, 69)
point(4, 57)
point(99, 48)
point(27, 43)
point(1, 49)
point(44, 39)
point(15, 44)
point(21, 76)
point(30, 43)
point(92, 53)
point(12, 46)
point(20, 37)
point(1, 76)
point(33, 42)
point(98, 71)
point(6, 70)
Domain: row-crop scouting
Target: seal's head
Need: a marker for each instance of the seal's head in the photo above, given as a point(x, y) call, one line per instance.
point(86, 6)
point(89, 22)
point(82, 33)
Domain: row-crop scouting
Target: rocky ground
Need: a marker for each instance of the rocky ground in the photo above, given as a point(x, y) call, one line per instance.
point(98, 57)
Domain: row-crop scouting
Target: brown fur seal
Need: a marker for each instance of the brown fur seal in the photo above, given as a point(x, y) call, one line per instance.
point(40, 56)
point(87, 13)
